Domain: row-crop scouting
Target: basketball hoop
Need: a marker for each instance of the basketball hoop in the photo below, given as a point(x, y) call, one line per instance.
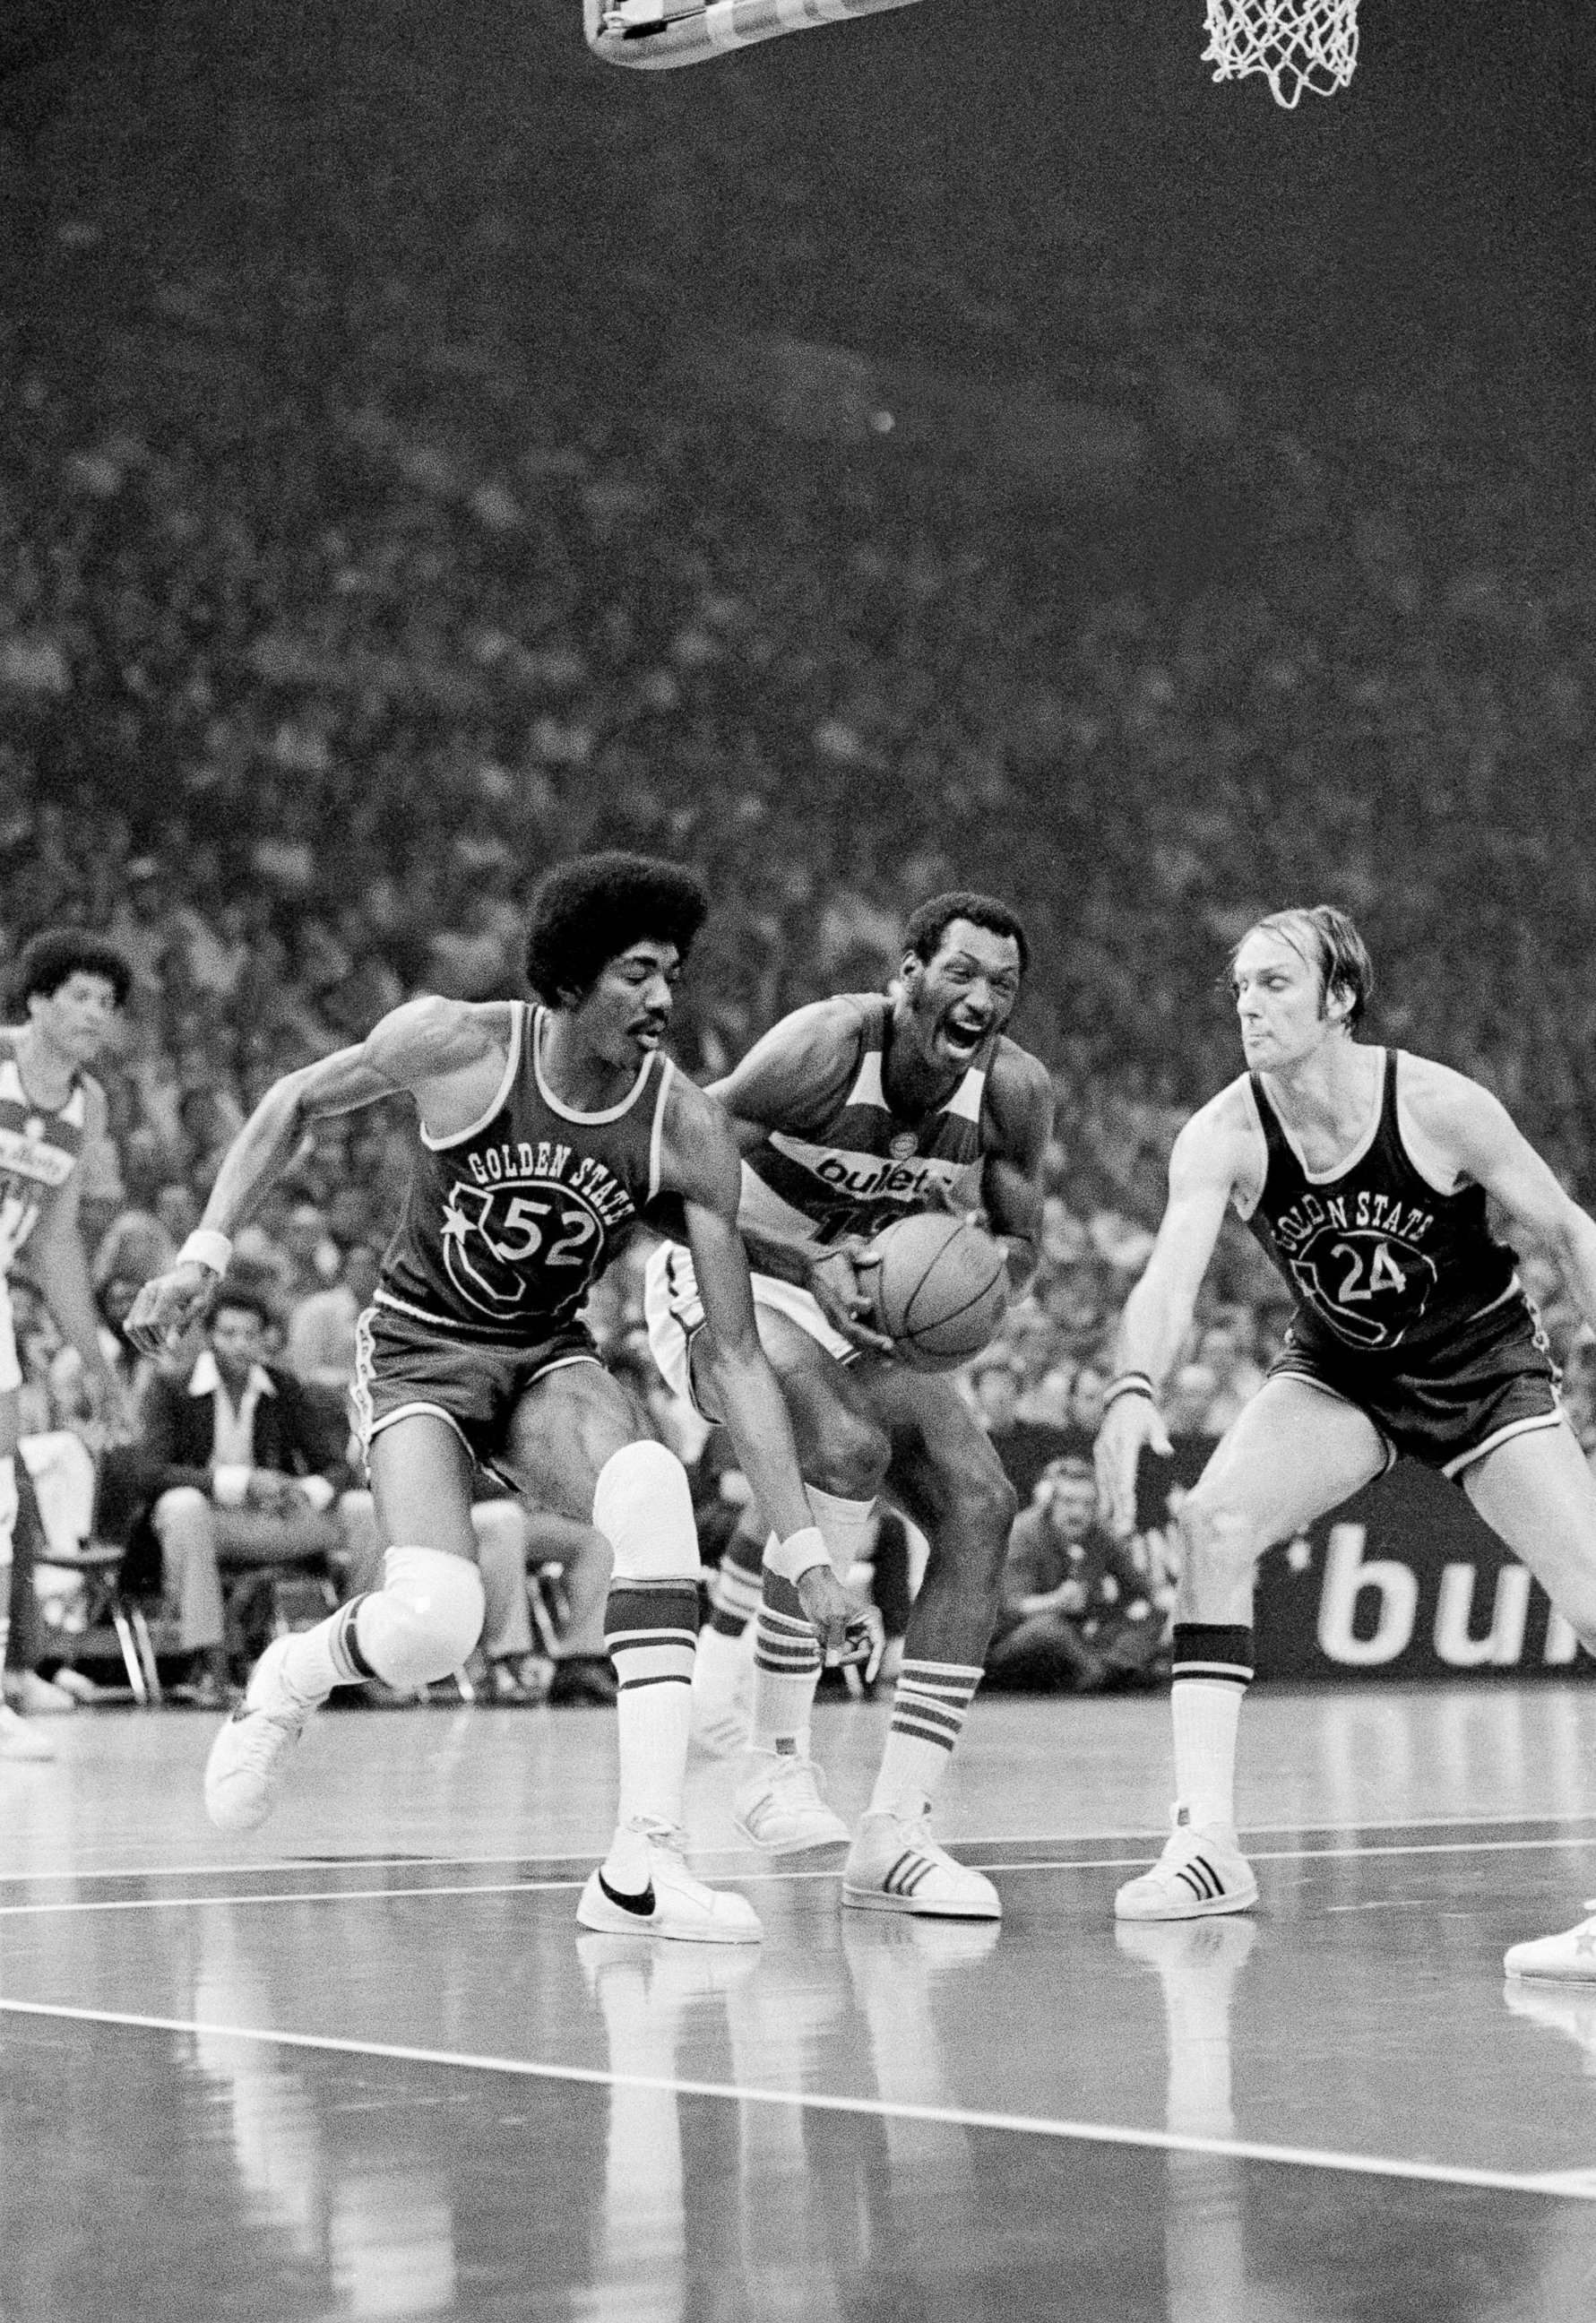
point(1296, 44)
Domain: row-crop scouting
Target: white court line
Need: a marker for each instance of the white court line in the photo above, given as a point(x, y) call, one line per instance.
point(751, 1878)
point(1568, 2185)
point(294, 1896)
point(566, 1855)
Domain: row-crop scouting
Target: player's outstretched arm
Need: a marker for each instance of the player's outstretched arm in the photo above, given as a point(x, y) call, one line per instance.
point(700, 1164)
point(410, 1049)
point(1203, 1172)
point(1480, 1137)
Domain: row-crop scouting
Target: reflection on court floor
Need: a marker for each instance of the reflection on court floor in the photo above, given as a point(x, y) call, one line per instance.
point(400, 2083)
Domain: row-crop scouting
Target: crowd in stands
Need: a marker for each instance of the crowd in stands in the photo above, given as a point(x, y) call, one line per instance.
point(335, 602)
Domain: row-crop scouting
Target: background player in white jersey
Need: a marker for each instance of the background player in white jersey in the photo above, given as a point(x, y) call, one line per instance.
point(51, 1113)
point(544, 1135)
point(851, 1113)
point(1365, 1175)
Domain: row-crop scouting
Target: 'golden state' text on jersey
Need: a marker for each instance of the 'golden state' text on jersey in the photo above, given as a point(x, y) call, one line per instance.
point(1379, 1259)
point(508, 1225)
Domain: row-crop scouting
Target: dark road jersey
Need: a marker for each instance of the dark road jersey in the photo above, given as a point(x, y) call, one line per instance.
point(508, 1225)
point(39, 1150)
point(864, 1165)
point(1378, 1260)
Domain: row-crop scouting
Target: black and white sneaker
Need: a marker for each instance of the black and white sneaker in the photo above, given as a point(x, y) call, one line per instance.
point(1201, 1873)
point(895, 1865)
point(670, 1902)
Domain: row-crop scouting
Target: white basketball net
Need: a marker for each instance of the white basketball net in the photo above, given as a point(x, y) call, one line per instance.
point(1296, 44)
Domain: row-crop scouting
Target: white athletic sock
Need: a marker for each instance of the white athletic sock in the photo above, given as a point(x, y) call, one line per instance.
point(930, 1704)
point(651, 1627)
point(1208, 1714)
point(786, 1657)
point(643, 1506)
point(1212, 1664)
point(722, 1663)
point(786, 1672)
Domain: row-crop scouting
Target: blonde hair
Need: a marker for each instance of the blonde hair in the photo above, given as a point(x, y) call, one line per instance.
point(1326, 939)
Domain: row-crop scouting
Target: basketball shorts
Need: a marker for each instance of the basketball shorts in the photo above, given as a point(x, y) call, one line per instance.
point(11, 1370)
point(1495, 1380)
point(404, 1364)
point(675, 1315)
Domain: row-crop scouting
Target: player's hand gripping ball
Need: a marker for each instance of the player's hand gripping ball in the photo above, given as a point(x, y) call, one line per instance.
point(941, 1289)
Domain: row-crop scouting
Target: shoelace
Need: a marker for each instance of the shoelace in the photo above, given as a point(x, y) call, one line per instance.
point(265, 1733)
point(918, 1834)
point(671, 1836)
point(787, 1768)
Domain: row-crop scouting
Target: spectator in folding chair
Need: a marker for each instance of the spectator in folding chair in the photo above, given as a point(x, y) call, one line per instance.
point(246, 1479)
point(1077, 1613)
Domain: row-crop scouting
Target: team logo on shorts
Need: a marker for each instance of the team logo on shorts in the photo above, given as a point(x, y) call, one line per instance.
point(1369, 1288)
point(524, 1247)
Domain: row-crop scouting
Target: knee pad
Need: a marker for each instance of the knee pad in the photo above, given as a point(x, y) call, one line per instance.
point(643, 1506)
point(424, 1621)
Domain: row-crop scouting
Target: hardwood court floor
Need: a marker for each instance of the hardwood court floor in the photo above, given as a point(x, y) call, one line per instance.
point(366, 2064)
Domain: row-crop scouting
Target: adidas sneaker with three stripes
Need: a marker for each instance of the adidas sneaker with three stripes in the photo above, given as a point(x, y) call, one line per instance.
point(895, 1865)
point(1201, 1873)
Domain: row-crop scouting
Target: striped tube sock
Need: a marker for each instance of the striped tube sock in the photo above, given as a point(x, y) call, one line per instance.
point(651, 1629)
point(929, 1704)
point(1212, 1669)
point(736, 1585)
point(725, 1648)
point(786, 1672)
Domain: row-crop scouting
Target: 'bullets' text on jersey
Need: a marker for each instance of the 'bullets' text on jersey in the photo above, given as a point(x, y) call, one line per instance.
point(1378, 1258)
point(39, 1150)
point(508, 1225)
point(864, 1165)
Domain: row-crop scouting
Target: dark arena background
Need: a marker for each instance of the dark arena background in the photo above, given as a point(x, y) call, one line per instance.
point(963, 449)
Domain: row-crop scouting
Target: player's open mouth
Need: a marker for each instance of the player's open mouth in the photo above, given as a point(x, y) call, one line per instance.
point(962, 1041)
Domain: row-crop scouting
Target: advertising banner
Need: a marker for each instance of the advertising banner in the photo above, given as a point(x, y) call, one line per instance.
point(1403, 1582)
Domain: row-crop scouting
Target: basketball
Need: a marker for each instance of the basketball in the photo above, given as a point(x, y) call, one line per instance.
point(941, 1289)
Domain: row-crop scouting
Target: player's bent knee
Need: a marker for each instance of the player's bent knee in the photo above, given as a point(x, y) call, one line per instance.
point(1217, 1536)
point(424, 1621)
point(985, 1507)
point(643, 1506)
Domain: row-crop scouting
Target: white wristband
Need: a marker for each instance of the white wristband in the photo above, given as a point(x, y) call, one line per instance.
point(798, 1554)
point(207, 1247)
